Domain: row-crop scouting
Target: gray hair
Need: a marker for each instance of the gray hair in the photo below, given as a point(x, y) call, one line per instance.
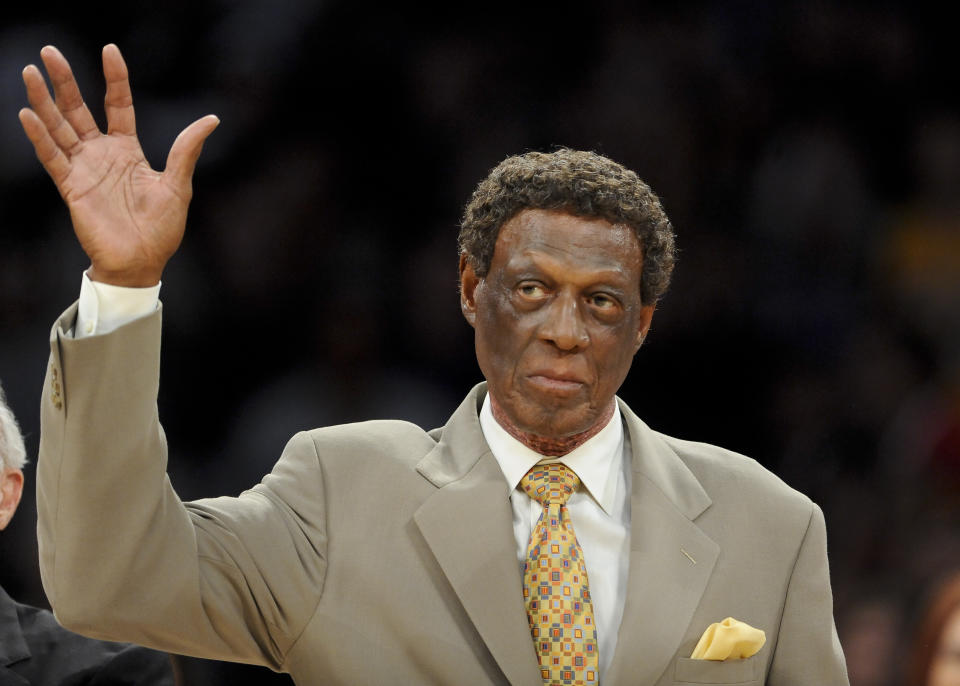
point(13, 453)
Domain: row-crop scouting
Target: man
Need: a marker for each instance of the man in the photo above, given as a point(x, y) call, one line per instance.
point(34, 649)
point(543, 535)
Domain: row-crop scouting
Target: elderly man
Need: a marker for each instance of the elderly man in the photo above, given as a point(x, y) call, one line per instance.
point(34, 649)
point(545, 534)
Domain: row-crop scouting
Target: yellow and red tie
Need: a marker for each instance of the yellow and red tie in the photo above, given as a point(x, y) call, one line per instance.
point(555, 583)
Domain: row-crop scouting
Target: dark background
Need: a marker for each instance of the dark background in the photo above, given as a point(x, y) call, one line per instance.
point(808, 154)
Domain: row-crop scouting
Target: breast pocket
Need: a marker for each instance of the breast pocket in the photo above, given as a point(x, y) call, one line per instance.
point(716, 672)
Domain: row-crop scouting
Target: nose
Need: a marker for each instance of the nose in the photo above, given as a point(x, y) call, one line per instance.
point(563, 324)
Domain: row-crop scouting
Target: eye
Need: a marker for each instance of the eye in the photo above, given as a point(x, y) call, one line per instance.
point(602, 301)
point(531, 290)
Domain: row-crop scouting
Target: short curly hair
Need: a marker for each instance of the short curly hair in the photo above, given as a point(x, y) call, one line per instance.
point(581, 183)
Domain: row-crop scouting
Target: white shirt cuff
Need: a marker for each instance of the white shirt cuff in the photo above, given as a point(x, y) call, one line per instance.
point(103, 307)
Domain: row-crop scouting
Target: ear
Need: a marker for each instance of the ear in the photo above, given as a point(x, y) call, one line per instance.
point(11, 488)
point(646, 316)
point(468, 288)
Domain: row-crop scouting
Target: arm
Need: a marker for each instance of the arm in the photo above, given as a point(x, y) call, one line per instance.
point(122, 558)
point(808, 650)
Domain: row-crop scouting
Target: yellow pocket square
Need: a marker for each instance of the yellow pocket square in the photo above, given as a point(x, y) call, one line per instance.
point(729, 639)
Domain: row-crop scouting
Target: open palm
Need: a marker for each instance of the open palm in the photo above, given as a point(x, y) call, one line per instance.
point(128, 218)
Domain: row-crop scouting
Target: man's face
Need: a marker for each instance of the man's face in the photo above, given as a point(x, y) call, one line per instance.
point(557, 318)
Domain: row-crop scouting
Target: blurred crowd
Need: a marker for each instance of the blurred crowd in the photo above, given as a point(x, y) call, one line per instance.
point(808, 154)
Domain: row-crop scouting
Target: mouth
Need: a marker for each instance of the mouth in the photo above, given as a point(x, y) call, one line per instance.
point(556, 383)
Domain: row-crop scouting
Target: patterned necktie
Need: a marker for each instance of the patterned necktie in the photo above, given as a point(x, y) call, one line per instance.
point(555, 583)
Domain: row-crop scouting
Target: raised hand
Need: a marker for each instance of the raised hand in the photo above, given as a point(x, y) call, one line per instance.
point(129, 218)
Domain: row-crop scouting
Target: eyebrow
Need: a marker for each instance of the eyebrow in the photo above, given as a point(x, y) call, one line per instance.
point(543, 263)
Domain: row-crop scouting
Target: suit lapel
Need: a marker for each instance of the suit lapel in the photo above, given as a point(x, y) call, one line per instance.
point(468, 525)
point(671, 559)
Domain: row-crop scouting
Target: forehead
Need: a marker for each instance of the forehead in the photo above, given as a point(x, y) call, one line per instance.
point(546, 236)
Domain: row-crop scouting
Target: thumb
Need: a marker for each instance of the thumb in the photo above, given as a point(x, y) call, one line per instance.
point(186, 149)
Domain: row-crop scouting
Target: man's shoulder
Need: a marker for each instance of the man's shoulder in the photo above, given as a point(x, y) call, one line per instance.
point(720, 472)
point(371, 437)
point(747, 498)
point(58, 655)
point(745, 503)
point(721, 469)
point(349, 450)
point(396, 439)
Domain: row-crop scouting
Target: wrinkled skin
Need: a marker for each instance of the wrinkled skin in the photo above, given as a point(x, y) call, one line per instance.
point(557, 319)
point(128, 218)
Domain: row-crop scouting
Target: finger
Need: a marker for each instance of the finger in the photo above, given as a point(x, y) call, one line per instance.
point(119, 100)
point(186, 150)
point(67, 94)
point(48, 152)
point(42, 104)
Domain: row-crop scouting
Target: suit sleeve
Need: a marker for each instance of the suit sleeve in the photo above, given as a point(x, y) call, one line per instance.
point(808, 650)
point(122, 558)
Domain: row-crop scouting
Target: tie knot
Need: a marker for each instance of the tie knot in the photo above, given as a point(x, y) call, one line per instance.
point(550, 483)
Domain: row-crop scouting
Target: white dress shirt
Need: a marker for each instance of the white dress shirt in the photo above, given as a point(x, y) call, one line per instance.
point(103, 308)
point(600, 513)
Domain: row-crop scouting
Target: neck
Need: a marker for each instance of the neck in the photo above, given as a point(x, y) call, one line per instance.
point(545, 445)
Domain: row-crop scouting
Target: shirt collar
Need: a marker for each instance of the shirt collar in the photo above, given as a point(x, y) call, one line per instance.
point(597, 462)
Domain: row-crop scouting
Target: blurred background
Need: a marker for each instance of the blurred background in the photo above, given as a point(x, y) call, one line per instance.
point(808, 154)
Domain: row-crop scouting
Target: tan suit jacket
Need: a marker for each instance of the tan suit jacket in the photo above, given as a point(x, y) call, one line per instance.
point(378, 553)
